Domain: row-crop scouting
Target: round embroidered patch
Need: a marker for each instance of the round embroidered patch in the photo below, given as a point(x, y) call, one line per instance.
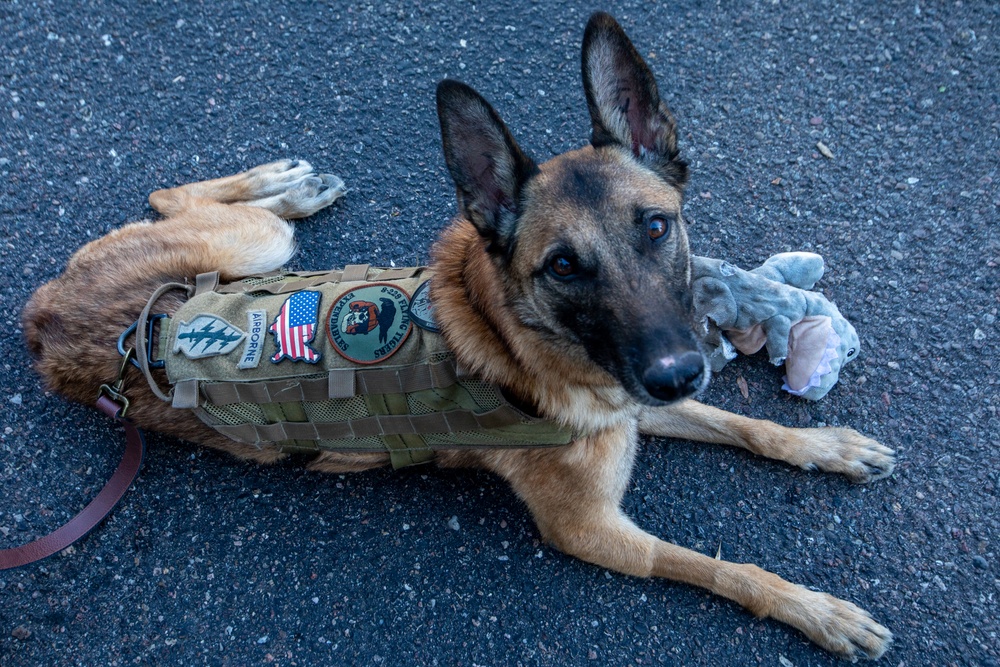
point(422, 310)
point(368, 324)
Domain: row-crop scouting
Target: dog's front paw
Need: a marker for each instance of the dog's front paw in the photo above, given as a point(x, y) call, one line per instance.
point(846, 451)
point(840, 627)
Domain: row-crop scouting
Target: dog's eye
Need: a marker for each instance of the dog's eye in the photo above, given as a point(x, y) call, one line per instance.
point(562, 267)
point(657, 227)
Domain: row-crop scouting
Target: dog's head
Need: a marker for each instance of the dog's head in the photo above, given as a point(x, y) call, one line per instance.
point(591, 244)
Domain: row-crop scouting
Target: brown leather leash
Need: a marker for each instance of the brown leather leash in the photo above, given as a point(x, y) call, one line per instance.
point(112, 403)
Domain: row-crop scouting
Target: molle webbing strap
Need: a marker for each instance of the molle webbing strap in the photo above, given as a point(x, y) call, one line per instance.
point(293, 282)
point(339, 383)
point(452, 421)
point(354, 273)
point(206, 282)
point(185, 394)
point(405, 449)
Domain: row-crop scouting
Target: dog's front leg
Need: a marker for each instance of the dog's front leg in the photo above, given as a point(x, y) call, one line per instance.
point(574, 494)
point(840, 450)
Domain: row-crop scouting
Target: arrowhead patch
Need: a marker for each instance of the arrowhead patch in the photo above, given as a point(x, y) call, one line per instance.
point(207, 336)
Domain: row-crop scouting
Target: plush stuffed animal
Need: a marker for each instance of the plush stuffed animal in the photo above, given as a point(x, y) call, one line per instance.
point(773, 306)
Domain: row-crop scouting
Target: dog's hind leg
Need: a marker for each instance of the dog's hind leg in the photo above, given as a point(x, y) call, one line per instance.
point(840, 450)
point(290, 189)
point(575, 493)
point(237, 225)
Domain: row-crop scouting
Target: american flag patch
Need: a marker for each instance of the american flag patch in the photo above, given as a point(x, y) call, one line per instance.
point(295, 326)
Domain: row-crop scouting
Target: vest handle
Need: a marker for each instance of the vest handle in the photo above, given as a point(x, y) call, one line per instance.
point(141, 332)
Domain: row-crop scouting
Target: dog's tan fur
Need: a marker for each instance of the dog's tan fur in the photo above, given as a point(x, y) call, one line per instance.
point(237, 226)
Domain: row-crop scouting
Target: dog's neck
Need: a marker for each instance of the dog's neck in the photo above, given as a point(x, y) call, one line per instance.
point(488, 339)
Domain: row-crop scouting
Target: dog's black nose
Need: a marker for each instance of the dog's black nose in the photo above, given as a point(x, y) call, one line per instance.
point(673, 377)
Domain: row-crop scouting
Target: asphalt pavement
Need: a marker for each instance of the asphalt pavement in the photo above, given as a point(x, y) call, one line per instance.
point(211, 561)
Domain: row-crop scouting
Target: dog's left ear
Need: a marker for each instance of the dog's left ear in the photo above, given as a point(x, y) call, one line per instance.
point(625, 107)
point(488, 166)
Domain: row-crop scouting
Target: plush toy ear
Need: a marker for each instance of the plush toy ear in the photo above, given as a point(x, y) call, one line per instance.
point(625, 107)
point(713, 300)
point(487, 165)
point(798, 269)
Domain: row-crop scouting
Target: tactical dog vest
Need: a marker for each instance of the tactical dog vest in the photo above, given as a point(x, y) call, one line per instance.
point(344, 360)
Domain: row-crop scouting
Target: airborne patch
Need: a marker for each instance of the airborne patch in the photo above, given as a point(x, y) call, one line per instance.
point(368, 324)
point(422, 310)
point(254, 349)
point(206, 336)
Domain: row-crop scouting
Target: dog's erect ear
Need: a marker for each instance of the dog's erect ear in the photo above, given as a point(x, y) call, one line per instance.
point(624, 104)
point(486, 163)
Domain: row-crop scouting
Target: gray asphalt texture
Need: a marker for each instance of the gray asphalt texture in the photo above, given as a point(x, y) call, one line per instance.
point(211, 561)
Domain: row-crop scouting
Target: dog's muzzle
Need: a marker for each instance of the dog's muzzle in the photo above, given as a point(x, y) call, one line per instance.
point(674, 377)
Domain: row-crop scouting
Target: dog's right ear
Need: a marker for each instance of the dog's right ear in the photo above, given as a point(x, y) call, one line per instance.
point(486, 163)
point(625, 107)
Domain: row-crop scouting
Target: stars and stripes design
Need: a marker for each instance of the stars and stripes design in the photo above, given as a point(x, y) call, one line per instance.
point(295, 327)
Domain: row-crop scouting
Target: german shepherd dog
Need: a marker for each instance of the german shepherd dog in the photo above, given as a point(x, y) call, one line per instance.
point(571, 283)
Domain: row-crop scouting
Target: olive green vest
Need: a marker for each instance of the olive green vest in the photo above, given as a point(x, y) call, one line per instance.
point(343, 360)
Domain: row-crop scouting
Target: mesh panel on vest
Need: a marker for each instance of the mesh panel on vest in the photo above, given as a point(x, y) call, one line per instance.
point(435, 357)
point(418, 407)
point(257, 281)
point(336, 410)
point(466, 438)
point(474, 391)
point(236, 413)
point(483, 393)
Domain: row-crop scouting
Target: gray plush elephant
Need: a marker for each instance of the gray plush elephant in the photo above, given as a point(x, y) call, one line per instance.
point(773, 306)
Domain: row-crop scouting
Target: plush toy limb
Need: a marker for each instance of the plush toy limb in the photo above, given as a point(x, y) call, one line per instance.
point(778, 329)
point(718, 349)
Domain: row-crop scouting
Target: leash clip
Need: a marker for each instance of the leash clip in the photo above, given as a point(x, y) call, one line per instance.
point(153, 319)
point(115, 391)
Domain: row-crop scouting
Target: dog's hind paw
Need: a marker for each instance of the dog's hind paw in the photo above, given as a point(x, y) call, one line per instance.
point(846, 451)
point(291, 189)
point(275, 177)
point(315, 192)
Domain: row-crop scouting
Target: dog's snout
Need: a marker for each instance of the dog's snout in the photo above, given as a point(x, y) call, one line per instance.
point(673, 377)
